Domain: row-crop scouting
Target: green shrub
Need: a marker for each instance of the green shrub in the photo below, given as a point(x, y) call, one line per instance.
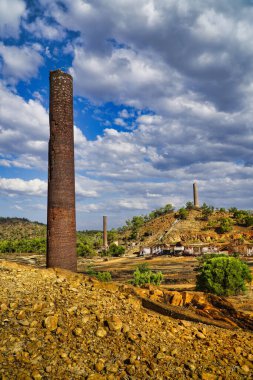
point(223, 276)
point(35, 245)
point(206, 211)
point(85, 250)
point(101, 276)
point(104, 276)
point(91, 271)
point(115, 250)
point(226, 225)
point(189, 206)
point(212, 224)
point(249, 221)
point(144, 267)
point(146, 276)
point(182, 213)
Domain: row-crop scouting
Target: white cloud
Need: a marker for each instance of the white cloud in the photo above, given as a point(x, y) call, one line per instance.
point(24, 130)
point(125, 114)
point(133, 204)
point(20, 62)
point(42, 29)
point(10, 17)
point(120, 122)
point(124, 76)
point(185, 68)
point(18, 186)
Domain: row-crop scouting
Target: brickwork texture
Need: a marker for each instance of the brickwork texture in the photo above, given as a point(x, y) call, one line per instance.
point(61, 219)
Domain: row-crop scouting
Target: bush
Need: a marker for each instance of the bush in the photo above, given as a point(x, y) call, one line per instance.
point(35, 245)
point(144, 267)
point(91, 271)
point(143, 275)
point(189, 206)
point(104, 276)
point(182, 213)
point(206, 211)
point(115, 250)
point(85, 250)
point(249, 221)
point(223, 276)
point(226, 225)
point(101, 276)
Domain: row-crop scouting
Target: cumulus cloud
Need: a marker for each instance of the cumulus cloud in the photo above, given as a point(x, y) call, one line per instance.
point(180, 74)
point(23, 131)
point(206, 44)
point(124, 77)
point(43, 29)
point(11, 13)
point(13, 186)
point(20, 62)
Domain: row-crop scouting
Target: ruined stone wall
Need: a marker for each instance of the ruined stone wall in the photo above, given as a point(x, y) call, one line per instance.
point(61, 222)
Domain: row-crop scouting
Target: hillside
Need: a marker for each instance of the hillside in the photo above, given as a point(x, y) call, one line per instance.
point(165, 229)
point(60, 325)
point(20, 228)
point(169, 229)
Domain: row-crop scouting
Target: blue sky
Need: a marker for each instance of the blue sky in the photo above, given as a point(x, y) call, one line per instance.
point(163, 97)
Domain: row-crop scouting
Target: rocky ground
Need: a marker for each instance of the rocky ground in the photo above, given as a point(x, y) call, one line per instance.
point(58, 325)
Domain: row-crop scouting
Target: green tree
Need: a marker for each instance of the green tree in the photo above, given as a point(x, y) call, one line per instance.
point(223, 276)
point(232, 210)
point(206, 211)
point(143, 275)
point(112, 235)
point(249, 221)
point(85, 250)
point(189, 206)
point(116, 250)
point(183, 213)
point(225, 225)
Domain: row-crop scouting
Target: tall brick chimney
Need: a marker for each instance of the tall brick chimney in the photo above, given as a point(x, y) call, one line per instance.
point(61, 213)
point(105, 243)
point(195, 195)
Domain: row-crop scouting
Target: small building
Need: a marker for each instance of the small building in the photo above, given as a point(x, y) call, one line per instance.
point(150, 251)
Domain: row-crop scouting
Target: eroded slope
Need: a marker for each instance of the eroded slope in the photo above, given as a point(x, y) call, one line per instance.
point(58, 325)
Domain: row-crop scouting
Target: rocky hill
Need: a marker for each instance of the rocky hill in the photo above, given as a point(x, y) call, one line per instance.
point(169, 229)
point(60, 325)
point(20, 228)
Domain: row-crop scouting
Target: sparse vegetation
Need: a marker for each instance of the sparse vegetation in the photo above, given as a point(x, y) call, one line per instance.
point(223, 275)
point(243, 218)
point(225, 225)
point(85, 250)
point(206, 211)
point(104, 276)
point(136, 222)
point(189, 206)
point(116, 250)
point(101, 276)
point(143, 275)
point(182, 213)
point(23, 245)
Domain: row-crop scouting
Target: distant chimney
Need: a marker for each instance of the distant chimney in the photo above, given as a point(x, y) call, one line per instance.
point(105, 243)
point(195, 195)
